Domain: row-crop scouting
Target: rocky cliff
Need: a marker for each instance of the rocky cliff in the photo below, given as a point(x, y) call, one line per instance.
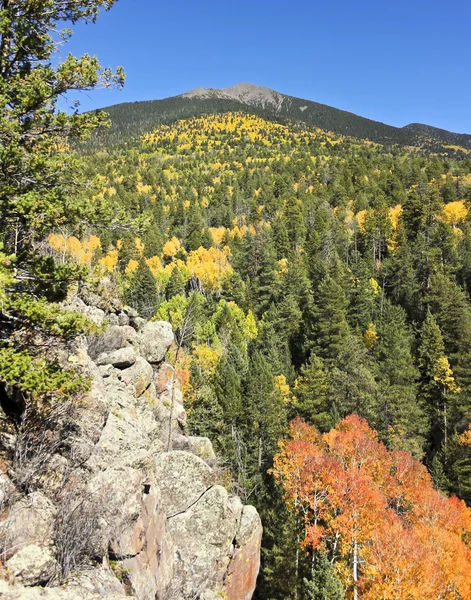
point(110, 513)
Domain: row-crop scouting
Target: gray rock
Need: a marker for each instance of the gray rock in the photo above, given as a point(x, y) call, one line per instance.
point(123, 318)
point(248, 525)
point(199, 446)
point(209, 595)
point(7, 490)
point(106, 371)
point(236, 506)
point(154, 341)
point(121, 359)
point(203, 536)
point(182, 478)
point(138, 377)
point(100, 582)
point(139, 323)
point(92, 410)
point(94, 314)
point(123, 443)
point(114, 338)
point(19, 592)
point(28, 521)
point(118, 494)
point(162, 411)
point(32, 565)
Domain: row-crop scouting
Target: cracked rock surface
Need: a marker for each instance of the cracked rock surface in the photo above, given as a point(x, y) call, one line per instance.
point(144, 523)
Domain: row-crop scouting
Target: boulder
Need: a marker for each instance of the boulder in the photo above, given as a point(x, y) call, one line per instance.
point(123, 443)
point(120, 359)
point(114, 338)
point(182, 479)
point(117, 495)
point(19, 592)
point(99, 582)
point(94, 314)
point(155, 339)
point(32, 565)
point(202, 537)
point(138, 377)
point(28, 521)
point(241, 576)
point(199, 446)
point(151, 570)
point(162, 410)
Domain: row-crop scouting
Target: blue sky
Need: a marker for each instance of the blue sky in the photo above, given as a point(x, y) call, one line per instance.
point(397, 62)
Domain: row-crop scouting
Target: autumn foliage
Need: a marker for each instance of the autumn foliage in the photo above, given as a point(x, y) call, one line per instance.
point(376, 513)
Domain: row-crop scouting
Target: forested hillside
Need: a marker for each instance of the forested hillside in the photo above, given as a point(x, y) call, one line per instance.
point(131, 118)
point(306, 275)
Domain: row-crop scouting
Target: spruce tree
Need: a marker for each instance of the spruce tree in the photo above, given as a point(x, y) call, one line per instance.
point(402, 417)
point(142, 293)
point(312, 394)
point(331, 327)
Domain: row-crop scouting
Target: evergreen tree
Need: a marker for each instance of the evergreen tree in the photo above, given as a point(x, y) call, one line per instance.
point(402, 417)
point(40, 185)
point(331, 327)
point(312, 394)
point(142, 291)
point(324, 584)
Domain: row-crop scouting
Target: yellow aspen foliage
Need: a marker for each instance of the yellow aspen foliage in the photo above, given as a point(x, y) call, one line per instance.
point(444, 375)
point(73, 248)
point(283, 266)
point(217, 234)
point(206, 358)
point(361, 217)
point(110, 261)
point(171, 248)
point(186, 205)
point(394, 214)
point(131, 267)
point(57, 242)
point(139, 246)
point(465, 438)
point(375, 287)
point(204, 202)
point(371, 337)
point(283, 388)
point(211, 267)
point(251, 330)
point(155, 265)
point(455, 212)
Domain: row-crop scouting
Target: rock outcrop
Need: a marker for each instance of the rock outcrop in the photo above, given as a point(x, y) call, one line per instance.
point(115, 515)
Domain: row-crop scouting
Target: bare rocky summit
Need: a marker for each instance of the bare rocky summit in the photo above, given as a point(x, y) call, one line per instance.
point(246, 93)
point(113, 514)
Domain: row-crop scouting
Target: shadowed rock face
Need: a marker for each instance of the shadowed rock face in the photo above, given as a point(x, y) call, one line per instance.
point(154, 524)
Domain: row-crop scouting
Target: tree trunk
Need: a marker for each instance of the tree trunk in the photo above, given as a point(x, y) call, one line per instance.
point(355, 571)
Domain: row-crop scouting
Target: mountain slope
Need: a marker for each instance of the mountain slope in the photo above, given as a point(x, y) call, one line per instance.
point(138, 117)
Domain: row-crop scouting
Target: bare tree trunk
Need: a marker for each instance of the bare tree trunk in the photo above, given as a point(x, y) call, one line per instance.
point(172, 402)
point(355, 571)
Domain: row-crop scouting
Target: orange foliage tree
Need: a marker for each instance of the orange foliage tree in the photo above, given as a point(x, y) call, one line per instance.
point(388, 532)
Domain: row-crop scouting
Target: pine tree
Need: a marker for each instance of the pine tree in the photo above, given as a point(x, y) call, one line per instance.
point(312, 394)
point(324, 584)
point(40, 183)
point(402, 417)
point(142, 292)
point(331, 327)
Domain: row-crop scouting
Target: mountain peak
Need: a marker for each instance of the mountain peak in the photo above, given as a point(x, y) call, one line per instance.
point(246, 93)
